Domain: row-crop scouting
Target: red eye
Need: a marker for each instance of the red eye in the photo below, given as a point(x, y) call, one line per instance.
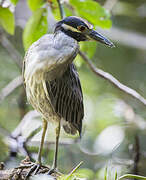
point(81, 28)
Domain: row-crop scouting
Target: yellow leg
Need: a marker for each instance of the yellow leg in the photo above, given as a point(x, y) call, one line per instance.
point(56, 146)
point(44, 127)
point(35, 168)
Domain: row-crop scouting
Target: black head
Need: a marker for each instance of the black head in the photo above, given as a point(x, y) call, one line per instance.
point(80, 29)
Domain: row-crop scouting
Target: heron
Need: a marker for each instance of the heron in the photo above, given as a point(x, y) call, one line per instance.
point(51, 80)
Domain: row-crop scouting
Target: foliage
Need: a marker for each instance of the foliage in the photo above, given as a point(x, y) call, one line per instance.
point(92, 11)
point(7, 20)
point(35, 4)
point(36, 27)
point(14, 1)
point(105, 107)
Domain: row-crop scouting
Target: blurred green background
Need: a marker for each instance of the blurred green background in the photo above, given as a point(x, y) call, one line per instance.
point(114, 128)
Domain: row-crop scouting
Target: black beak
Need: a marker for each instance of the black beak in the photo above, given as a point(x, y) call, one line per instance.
point(93, 35)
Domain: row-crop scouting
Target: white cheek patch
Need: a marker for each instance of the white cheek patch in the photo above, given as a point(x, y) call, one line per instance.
point(67, 27)
point(90, 26)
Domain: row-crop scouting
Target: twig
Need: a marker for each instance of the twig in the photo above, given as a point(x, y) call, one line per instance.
point(112, 80)
point(33, 133)
point(132, 176)
point(26, 120)
point(109, 4)
point(22, 105)
point(19, 173)
point(62, 13)
point(15, 55)
point(136, 154)
point(4, 132)
point(10, 87)
point(17, 144)
point(74, 170)
point(48, 143)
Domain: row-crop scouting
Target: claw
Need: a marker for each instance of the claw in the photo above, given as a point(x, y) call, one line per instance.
point(51, 171)
point(35, 168)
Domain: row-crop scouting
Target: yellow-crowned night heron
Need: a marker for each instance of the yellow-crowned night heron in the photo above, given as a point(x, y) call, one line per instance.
point(51, 80)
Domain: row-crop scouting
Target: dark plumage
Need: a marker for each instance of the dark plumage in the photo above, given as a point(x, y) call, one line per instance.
point(66, 96)
point(75, 22)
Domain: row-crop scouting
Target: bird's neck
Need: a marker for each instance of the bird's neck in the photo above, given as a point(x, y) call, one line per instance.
point(63, 40)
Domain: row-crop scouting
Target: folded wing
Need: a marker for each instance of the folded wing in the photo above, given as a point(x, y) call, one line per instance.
point(66, 97)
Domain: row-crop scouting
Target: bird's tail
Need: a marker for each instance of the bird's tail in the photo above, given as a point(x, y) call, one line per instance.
point(69, 129)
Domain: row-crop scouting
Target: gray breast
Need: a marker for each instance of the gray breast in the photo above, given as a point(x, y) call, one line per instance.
point(47, 59)
point(49, 53)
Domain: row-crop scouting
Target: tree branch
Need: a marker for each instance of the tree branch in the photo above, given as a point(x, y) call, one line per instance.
point(136, 154)
point(3, 132)
point(10, 87)
point(15, 55)
point(132, 176)
point(112, 80)
point(19, 173)
point(109, 4)
point(62, 13)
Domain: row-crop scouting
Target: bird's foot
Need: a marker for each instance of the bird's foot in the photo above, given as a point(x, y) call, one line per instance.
point(34, 169)
point(53, 170)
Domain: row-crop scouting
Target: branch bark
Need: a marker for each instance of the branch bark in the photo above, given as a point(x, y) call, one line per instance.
point(15, 55)
point(109, 4)
point(136, 154)
point(62, 13)
point(10, 87)
point(19, 173)
point(112, 80)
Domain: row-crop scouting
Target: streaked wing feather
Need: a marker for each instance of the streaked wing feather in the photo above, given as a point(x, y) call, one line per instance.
point(65, 94)
point(23, 70)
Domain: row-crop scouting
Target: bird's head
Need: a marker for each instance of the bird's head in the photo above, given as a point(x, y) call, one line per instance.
point(81, 30)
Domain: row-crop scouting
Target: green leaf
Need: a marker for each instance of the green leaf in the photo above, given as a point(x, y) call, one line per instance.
point(35, 4)
point(105, 174)
point(7, 20)
point(116, 175)
point(14, 2)
point(85, 173)
point(36, 27)
point(93, 12)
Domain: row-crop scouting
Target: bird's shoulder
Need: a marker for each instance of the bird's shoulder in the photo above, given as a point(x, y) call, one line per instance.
point(51, 47)
point(54, 42)
point(45, 42)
